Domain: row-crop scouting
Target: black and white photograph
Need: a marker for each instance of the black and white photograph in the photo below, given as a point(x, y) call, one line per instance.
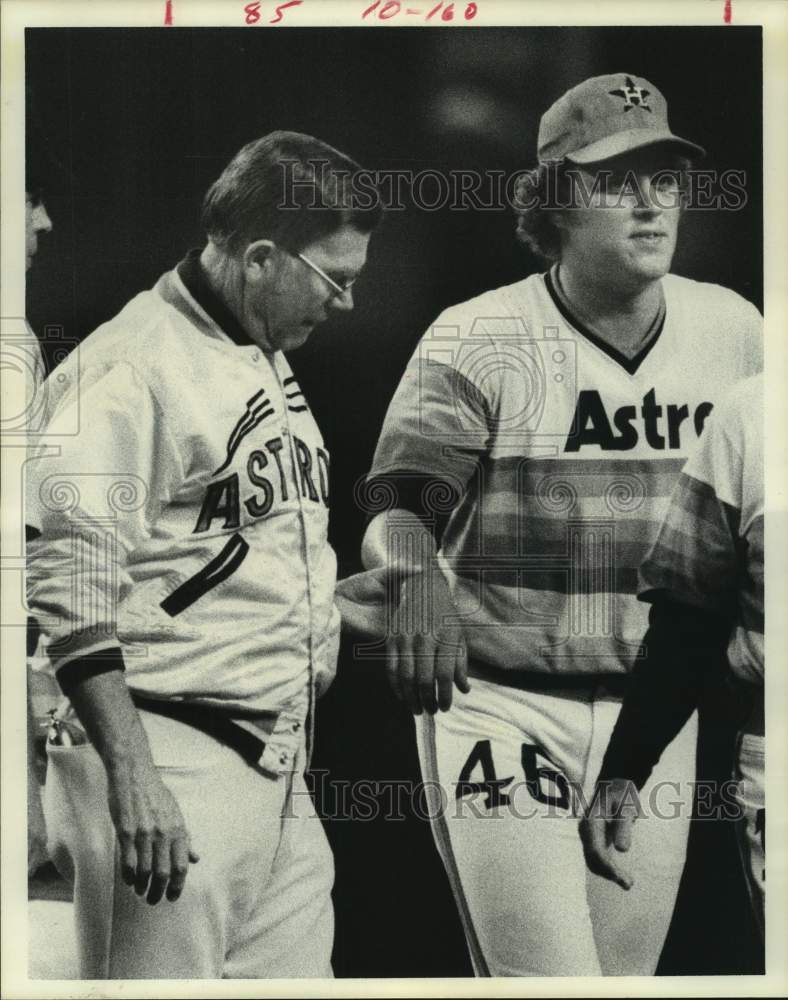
point(393, 440)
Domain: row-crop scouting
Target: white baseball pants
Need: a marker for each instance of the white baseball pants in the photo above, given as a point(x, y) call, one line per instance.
point(256, 905)
point(502, 768)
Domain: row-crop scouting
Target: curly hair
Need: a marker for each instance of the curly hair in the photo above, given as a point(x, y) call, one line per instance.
point(537, 195)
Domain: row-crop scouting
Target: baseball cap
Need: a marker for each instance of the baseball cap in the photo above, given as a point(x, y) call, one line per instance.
point(604, 117)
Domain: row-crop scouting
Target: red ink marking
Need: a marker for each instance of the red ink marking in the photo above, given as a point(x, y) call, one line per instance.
point(252, 11)
point(727, 15)
point(168, 12)
point(393, 7)
point(284, 6)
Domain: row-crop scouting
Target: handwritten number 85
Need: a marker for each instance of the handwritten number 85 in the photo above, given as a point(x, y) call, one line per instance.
point(252, 11)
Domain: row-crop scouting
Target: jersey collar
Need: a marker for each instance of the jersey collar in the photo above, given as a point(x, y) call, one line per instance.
point(629, 364)
point(192, 275)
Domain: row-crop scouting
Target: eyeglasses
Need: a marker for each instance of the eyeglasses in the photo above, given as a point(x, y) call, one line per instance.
point(338, 289)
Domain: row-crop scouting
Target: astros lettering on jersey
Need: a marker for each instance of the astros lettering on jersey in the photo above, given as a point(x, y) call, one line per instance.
point(174, 547)
point(564, 453)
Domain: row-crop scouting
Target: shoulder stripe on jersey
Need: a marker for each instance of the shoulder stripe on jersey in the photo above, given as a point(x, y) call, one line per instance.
point(695, 556)
point(630, 365)
point(253, 416)
point(250, 409)
point(290, 383)
point(251, 419)
point(210, 576)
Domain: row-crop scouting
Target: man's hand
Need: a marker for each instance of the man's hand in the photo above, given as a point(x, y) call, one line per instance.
point(606, 829)
point(361, 600)
point(154, 843)
point(425, 656)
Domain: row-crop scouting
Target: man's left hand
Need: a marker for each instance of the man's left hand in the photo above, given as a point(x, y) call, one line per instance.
point(606, 830)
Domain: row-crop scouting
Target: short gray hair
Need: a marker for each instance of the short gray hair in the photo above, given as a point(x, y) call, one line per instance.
point(289, 188)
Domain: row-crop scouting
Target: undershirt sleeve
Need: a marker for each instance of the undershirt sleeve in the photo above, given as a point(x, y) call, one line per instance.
point(685, 648)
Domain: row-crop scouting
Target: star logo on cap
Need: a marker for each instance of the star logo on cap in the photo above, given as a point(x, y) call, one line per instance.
point(634, 97)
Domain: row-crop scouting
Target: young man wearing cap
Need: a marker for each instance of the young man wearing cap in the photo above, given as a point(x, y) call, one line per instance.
point(528, 455)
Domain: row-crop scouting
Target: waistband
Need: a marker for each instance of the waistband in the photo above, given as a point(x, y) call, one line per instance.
point(216, 723)
point(530, 680)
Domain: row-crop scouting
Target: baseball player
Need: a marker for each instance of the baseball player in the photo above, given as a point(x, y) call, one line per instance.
point(185, 585)
point(37, 222)
point(704, 582)
point(521, 474)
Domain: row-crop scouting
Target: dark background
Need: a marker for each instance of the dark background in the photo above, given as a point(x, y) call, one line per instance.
point(133, 125)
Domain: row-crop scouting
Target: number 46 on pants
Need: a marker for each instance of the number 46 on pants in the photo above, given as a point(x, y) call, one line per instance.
point(545, 784)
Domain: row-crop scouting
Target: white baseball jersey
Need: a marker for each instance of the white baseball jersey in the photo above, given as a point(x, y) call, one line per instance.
point(186, 520)
point(709, 552)
point(561, 454)
point(555, 456)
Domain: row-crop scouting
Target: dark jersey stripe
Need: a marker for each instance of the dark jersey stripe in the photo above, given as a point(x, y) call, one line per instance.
point(210, 576)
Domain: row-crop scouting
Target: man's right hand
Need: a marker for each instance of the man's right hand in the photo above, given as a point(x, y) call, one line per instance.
point(425, 656)
point(155, 850)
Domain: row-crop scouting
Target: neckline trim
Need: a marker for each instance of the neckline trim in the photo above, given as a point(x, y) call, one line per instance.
point(192, 275)
point(630, 365)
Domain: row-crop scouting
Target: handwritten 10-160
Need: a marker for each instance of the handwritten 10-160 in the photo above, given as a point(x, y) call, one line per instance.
point(446, 11)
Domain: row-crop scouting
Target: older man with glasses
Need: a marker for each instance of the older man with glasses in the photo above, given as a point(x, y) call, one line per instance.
point(193, 638)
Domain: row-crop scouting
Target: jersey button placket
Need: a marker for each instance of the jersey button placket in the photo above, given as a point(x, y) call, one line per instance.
point(307, 555)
